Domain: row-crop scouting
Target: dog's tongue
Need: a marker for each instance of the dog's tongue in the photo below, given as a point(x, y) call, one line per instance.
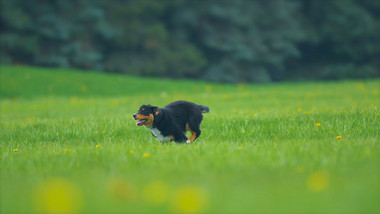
point(140, 122)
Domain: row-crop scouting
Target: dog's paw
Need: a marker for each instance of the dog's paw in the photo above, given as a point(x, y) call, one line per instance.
point(188, 141)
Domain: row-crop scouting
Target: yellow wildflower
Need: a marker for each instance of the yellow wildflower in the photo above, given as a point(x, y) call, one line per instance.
point(121, 189)
point(208, 88)
point(58, 195)
point(146, 155)
point(338, 137)
point(83, 88)
point(189, 199)
point(97, 146)
point(155, 192)
point(15, 150)
point(241, 86)
point(132, 152)
point(299, 169)
point(317, 124)
point(318, 181)
point(67, 150)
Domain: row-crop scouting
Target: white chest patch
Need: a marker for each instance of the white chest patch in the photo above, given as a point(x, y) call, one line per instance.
point(158, 134)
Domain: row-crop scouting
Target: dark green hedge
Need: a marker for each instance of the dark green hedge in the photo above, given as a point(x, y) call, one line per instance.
point(216, 40)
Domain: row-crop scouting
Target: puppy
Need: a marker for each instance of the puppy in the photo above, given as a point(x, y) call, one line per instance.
point(172, 121)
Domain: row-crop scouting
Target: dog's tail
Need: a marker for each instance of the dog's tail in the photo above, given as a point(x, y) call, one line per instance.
point(204, 109)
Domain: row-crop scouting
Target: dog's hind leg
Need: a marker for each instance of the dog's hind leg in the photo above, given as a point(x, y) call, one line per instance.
point(194, 130)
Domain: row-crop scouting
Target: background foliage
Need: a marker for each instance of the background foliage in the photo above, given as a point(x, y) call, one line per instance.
point(215, 40)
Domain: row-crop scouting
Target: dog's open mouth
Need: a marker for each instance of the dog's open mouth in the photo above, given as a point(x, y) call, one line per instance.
point(141, 122)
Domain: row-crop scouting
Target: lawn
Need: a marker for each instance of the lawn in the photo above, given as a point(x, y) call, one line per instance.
point(69, 144)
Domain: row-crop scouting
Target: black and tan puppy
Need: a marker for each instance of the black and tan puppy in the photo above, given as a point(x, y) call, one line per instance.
point(172, 121)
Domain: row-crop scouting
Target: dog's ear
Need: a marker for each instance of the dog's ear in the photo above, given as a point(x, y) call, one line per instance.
point(156, 110)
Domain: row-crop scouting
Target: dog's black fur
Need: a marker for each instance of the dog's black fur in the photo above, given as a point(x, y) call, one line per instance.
point(172, 121)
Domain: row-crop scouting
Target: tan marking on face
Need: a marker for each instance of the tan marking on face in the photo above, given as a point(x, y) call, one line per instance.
point(171, 137)
point(150, 119)
point(157, 112)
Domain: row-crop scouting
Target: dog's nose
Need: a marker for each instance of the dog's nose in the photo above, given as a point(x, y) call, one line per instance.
point(134, 116)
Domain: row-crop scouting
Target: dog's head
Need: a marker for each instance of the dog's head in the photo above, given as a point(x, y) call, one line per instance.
point(146, 115)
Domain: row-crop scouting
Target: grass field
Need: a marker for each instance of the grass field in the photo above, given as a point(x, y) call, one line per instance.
point(69, 144)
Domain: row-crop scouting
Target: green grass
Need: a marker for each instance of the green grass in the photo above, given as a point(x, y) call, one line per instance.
point(260, 150)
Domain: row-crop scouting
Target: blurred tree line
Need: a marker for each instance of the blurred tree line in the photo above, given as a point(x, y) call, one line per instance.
point(215, 40)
